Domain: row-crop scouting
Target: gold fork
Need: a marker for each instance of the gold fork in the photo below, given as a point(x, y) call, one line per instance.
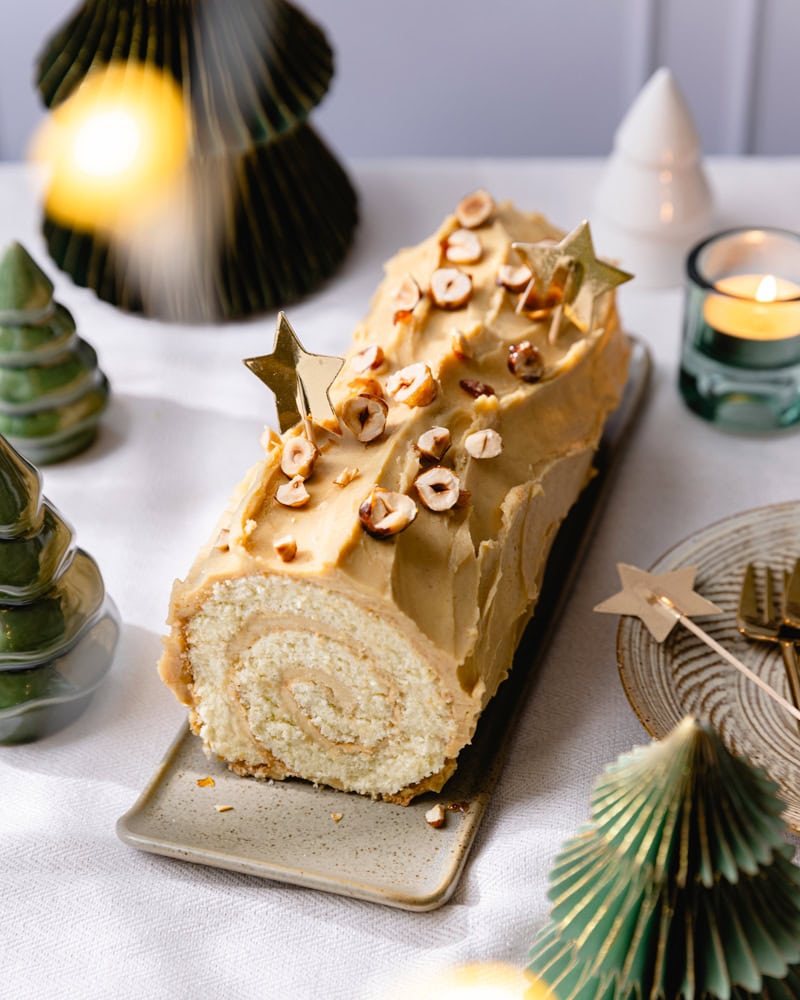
point(791, 597)
point(771, 624)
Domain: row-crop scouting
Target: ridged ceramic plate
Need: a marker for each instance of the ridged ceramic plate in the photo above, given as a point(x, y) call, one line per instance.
point(376, 851)
point(682, 676)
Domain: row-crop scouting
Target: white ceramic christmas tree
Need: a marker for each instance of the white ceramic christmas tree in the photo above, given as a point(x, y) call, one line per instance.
point(654, 201)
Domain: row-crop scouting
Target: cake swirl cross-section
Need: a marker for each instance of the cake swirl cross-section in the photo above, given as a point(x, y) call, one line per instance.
point(360, 601)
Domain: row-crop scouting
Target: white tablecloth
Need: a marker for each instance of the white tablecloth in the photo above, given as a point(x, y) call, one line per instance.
point(83, 915)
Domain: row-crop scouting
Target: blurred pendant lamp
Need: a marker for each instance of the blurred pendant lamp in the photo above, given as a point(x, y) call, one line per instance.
point(183, 180)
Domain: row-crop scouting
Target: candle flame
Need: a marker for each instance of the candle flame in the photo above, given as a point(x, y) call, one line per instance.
point(767, 290)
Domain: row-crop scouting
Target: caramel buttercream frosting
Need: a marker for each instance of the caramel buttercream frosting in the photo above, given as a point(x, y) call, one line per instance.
point(361, 599)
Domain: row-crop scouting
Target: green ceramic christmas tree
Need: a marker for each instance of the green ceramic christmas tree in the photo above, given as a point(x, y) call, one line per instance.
point(51, 391)
point(58, 628)
point(250, 71)
point(681, 884)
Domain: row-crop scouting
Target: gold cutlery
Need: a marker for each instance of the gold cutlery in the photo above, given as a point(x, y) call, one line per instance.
point(778, 621)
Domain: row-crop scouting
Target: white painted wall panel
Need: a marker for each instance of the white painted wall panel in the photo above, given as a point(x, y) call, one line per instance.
point(507, 77)
point(776, 117)
point(24, 26)
point(706, 45)
point(460, 77)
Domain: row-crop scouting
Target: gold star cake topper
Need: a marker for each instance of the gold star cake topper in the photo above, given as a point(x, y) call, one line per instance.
point(658, 598)
point(662, 600)
point(585, 278)
point(299, 380)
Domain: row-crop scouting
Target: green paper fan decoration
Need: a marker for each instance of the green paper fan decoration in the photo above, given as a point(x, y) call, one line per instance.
point(52, 393)
point(680, 885)
point(250, 72)
point(58, 628)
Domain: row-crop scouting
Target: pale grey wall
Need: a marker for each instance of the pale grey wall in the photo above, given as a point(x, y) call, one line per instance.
point(24, 26)
point(507, 77)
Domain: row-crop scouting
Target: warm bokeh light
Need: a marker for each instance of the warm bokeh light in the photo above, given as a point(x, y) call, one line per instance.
point(106, 145)
point(115, 149)
point(476, 981)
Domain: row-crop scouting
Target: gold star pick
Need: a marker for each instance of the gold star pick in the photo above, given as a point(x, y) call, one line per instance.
point(299, 380)
point(595, 277)
point(544, 259)
point(587, 277)
point(662, 600)
point(659, 599)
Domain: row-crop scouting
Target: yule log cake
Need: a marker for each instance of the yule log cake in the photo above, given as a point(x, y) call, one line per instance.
point(361, 599)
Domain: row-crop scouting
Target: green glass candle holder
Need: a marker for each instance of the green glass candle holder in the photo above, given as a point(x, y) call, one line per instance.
point(740, 361)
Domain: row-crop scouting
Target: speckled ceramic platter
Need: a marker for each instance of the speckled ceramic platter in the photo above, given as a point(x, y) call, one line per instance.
point(377, 851)
point(682, 676)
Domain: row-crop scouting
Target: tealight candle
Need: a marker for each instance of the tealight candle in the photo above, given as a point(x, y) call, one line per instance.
point(740, 365)
point(754, 307)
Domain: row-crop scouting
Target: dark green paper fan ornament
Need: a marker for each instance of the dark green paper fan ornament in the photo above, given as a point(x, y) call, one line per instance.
point(250, 72)
point(680, 885)
point(52, 393)
point(58, 628)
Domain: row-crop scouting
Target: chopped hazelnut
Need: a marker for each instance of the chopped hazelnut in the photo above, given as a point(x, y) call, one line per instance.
point(285, 547)
point(299, 456)
point(538, 302)
point(414, 385)
point(525, 361)
point(368, 359)
point(293, 493)
point(514, 279)
point(462, 247)
point(458, 807)
point(207, 782)
point(222, 542)
point(438, 488)
point(270, 441)
point(474, 209)
point(485, 443)
point(366, 384)
point(460, 345)
point(383, 513)
point(365, 416)
point(337, 817)
point(476, 388)
point(223, 809)
point(346, 476)
point(435, 816)
point(450, 288)
point(433, 443)
point(405, 298)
